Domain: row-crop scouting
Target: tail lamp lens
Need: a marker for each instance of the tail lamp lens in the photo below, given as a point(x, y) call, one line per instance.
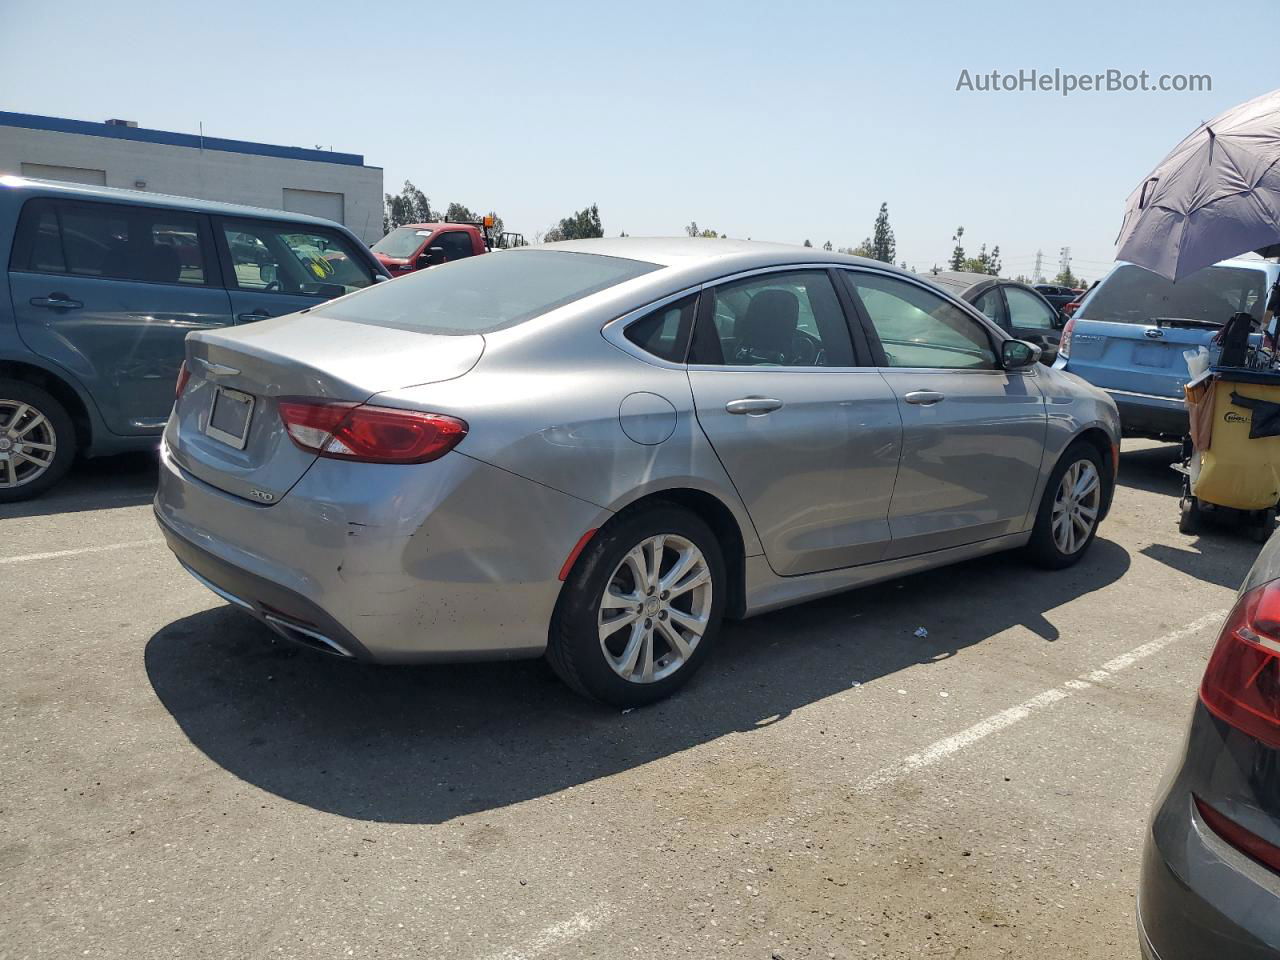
point(1064, 344)
point(1241, 685)
point(369, 434)
point(184, 374)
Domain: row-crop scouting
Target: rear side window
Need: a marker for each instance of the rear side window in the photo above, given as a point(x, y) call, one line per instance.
point(293, 259)
point(484, 294)
point(112, 242)
point(1131, 294)
point(665, 332)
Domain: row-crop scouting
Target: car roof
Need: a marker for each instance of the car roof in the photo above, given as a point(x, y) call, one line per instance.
point(80, 191)
point(434, 225)
point(961, 281)
point(722, 252)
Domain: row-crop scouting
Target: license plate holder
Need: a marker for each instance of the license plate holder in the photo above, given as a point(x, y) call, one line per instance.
point(1151, 354)
point(229, 417)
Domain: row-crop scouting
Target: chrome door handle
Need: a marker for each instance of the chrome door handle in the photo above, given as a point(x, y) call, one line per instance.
point(753, 406)
point(56, 301)
point(924, 398)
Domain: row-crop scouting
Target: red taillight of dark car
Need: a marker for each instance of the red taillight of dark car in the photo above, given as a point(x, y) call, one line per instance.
point(1241, 685)
point(369, 434)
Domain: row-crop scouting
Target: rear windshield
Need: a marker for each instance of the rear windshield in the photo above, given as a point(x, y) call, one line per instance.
point(486, 293)
point(1134, 295)
point(401, 242)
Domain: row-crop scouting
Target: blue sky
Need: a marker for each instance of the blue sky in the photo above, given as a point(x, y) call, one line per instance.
point(768, 120)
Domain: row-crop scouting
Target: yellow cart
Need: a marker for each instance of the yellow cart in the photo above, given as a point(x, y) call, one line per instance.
point(1234, 461)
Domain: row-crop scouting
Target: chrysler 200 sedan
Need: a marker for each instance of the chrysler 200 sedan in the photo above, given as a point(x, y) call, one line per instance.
point(597, 450)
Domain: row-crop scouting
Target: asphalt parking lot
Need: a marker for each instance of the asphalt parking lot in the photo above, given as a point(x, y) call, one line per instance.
point(173, 782)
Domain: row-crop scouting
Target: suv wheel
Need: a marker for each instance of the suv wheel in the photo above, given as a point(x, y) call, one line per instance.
point(1070, 509)
point(37, 441)
point(641, 608)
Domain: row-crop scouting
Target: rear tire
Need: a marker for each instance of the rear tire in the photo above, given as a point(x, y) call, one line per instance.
point(37, 441)
point(1188, 516)
point(641, 609)
point(1070, 509)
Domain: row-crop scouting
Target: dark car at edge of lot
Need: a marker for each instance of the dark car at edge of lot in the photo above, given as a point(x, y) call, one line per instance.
point(103, 286)
point(1015, 307)
point(1210, 884)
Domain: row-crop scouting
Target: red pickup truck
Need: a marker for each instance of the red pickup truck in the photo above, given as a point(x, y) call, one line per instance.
point(418, 245)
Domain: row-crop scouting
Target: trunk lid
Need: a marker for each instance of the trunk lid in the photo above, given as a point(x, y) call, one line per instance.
point(301, 355)
point(1139, 358)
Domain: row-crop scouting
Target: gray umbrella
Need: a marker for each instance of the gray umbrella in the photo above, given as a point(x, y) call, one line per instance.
point(1217, 195)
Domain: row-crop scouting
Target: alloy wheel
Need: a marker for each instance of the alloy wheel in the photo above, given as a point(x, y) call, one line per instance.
point(28, 443)
point(1076, 505)
point(655, 608)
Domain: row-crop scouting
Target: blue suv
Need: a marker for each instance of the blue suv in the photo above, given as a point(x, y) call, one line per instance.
point(103, 286)
point(1130, 333)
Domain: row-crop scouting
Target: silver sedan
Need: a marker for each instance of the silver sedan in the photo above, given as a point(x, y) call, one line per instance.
point(598, 450)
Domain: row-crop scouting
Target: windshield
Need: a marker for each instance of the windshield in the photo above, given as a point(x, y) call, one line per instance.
point(484, 294)
point(402, 242)
point(1134, 295)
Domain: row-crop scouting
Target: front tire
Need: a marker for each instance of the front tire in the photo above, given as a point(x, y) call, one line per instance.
point(641, 609)
point(37, 441)
point(1070, 509)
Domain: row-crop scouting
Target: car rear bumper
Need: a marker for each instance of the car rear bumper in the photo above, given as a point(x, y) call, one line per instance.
point(451, 560)
point(1199, 897)
point(1146, 415)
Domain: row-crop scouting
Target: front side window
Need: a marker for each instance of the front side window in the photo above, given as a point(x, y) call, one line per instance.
point(989, 304)
point(112, 242)
point(288, 258)
point(785, 319)
point(1027, 311)
point(920, 329)
point(456, 244)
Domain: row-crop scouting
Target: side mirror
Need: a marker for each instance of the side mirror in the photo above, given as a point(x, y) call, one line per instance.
point(433, 257)
point(1018, 354)
point(267, 272)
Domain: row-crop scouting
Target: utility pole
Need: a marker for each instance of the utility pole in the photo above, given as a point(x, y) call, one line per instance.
point(1038, 275)
point(1064, 261)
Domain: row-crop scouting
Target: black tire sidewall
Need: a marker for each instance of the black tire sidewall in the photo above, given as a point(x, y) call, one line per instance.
point(574, 642)
point(1042, 546)
point(64, 428)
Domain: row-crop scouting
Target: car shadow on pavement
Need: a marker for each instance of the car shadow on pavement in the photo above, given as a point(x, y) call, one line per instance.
point(126, 480)
point(428, 744)
point(1149, 468)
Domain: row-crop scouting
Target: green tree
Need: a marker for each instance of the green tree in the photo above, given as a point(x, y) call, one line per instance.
point(693, 231)
point(410, 205)
point(864, 249)
point(580, 226)
point(807, 243)
point(883, 247)
point(827, 246)
point(984, 262)
point(957, 252)
point(1066, 278)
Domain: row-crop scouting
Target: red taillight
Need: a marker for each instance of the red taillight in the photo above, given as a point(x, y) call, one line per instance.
point(349, 431)
point(1241, 685)
point(1247, 842)
point(1064, 344)
point(184, 374)
point(1070, 308)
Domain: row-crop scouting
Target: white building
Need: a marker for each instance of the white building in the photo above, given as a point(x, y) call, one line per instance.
point(119, 153)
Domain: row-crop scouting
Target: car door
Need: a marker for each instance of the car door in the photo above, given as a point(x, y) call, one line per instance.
point(109, 292)
point(456, 244)
point(809, 438)
point(1033, 318)
point(972, 433)
point(273, 268)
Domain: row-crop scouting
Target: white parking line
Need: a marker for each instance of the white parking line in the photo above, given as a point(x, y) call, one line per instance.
point(945, 747)
point(556, 935)
point(79, 551)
